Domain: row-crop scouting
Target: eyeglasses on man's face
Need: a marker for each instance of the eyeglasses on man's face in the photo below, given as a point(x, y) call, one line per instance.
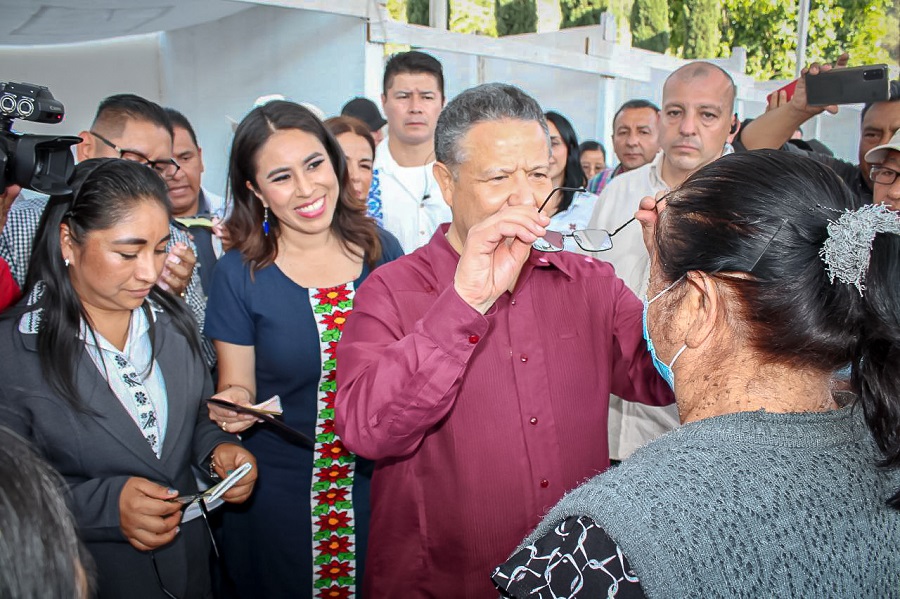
point(166, 168)
point(883, 175)
point(590, 240)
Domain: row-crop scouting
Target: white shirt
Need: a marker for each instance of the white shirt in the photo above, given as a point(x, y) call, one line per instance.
point(618, 202)
point(406, 201)
point(631, 424)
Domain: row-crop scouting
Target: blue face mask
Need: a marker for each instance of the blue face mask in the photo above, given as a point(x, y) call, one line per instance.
point(664, 370)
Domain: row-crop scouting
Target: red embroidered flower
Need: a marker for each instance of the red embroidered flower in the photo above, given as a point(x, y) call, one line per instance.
point(332, 496)
point(333, 295)
point(329, 398)
point(333, 520)
point(333, 450)
point(335, 570)
point(335, 592)
point(334, 545)
point(331, 349)
point(327, 426)
point(335, 320)
point(334, 473)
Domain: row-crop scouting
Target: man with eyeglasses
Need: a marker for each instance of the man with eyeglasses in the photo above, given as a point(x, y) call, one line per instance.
point(885, 172)
point(476, 370)
point(695, 120)
point(132, 128)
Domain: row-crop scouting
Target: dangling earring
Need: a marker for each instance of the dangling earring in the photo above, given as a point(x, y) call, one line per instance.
point(66, 262)
point(266, 221)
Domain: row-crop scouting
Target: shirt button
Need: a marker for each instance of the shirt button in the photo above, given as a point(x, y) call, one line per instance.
point(513, 302)
point(533, 420)
point(523, 357)
point(421, 232)
point(545, 483)
point(473, 339)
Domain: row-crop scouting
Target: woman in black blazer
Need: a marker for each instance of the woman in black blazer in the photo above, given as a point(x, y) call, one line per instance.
point(101, 370)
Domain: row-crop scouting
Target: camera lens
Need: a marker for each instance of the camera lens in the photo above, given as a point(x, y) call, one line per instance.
point(8, 103)
point(873, 75)
point(26, 107)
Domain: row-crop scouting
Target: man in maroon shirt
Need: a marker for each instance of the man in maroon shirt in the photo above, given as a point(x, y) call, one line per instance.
point(477, 371)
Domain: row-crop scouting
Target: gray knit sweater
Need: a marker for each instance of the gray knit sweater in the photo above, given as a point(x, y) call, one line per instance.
point(751, 505)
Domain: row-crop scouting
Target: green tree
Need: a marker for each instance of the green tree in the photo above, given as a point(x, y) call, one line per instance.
point(701, 28)
point(515, 16)
point(581, 12)
point(417, 12)
point(473, 16)
point(768, 30)
point(650, 25)
point(397, 10)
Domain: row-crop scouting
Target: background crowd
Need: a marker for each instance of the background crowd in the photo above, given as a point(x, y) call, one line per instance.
point(484, 374)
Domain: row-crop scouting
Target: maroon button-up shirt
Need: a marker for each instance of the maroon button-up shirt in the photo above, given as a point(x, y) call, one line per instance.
point(480, 423)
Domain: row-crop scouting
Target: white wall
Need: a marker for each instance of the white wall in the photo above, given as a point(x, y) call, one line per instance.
point(209, 72)
point(80, 75)
point(217, 70)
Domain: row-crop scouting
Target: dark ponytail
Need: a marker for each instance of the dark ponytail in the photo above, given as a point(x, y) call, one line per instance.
point(105, 191)
point(876, 371)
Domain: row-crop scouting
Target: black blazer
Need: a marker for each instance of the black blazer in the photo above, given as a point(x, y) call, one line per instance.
point(97, 452)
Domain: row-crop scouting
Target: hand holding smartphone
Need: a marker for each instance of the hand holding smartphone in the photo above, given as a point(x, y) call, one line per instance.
point(852, 85)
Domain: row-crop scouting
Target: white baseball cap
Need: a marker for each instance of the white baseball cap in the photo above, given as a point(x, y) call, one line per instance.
point(878, 154)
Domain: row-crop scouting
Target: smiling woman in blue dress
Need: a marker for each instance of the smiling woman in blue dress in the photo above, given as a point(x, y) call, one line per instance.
point(277, 307)
point(101, 370)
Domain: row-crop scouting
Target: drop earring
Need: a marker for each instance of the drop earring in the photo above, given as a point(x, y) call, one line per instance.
point(66, 262)
point(266, 221)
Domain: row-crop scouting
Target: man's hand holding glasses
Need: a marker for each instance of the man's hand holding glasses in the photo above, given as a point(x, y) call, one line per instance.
point(494, 252)
point(589, 240)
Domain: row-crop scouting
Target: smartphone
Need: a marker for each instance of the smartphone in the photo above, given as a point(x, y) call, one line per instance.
point(854, 85)
point(788, 89)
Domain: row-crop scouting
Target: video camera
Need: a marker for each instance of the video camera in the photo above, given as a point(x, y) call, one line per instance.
point(40, 162)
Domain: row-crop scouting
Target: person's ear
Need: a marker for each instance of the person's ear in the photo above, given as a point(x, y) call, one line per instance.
point(200, 158)
point(704, 303)
point(445, 180)
point(85, 150)
point(65, 242)
point(735, 124)
point(254, 191)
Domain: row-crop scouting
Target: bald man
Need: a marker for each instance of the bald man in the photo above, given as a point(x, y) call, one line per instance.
point(696, 118)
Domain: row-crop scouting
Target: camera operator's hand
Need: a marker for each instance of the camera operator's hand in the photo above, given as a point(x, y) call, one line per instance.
point(179, 267)
point(798, 101)
point(7, 198)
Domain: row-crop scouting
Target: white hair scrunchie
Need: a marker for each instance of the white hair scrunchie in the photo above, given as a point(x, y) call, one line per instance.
point(848, 247)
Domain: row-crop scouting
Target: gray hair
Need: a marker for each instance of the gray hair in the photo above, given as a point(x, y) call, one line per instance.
point(486, 102)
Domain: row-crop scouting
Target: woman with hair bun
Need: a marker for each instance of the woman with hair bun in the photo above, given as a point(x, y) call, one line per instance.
point(766, 277)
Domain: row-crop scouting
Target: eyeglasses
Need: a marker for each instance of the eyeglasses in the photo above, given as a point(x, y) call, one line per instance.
point(165, 168)
point(883, 175)
point(590, 240)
